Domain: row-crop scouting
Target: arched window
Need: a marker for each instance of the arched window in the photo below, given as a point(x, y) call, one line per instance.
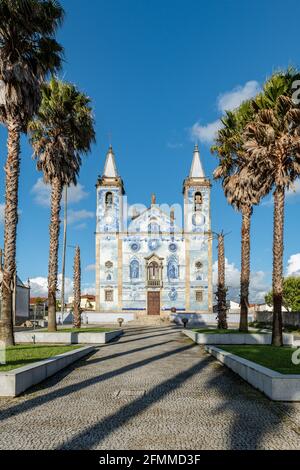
point(153, 271)
point(134, 269)
point(108, 200)
point(198, 201)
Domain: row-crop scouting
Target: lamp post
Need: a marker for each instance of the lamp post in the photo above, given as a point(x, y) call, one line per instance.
point(62, 301)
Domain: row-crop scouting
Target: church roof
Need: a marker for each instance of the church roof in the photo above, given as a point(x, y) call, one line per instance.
point(110, 168)
point(196, 168)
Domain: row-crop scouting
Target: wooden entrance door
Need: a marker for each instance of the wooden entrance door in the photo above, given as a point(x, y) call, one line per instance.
point(153, 303)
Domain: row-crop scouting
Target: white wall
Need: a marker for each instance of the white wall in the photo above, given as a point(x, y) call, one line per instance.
point(22, 302)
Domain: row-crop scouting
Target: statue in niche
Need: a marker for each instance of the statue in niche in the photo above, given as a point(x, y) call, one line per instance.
point(134, 269)
point(172, 270)
point(173, 294)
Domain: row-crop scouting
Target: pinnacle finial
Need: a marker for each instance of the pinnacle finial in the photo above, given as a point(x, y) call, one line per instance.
point(196, 168)
point(110, 168)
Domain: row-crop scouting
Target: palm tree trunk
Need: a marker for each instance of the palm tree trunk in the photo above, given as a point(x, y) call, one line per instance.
point(245, 267)
point(278, 266)
point(221, 290)
point(56, 194)
point(77, 289)
point(12, 170)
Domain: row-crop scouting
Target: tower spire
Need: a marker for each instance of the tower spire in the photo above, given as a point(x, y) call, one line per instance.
point(196, 168)
point(110, 168)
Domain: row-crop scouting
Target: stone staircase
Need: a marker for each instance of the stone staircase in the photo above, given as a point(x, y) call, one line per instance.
point(149, 320)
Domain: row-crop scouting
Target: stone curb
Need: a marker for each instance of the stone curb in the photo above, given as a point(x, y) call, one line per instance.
point(235, 338)
point(276, 386)
point(16, 381)
point(66, 338)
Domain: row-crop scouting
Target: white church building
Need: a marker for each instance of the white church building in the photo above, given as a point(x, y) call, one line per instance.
point(149, 265)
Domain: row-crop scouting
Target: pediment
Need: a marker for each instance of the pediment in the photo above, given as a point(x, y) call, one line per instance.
point(153, 213)
point(154, 257)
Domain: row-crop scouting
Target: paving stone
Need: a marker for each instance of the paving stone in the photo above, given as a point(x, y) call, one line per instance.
point(151, 389)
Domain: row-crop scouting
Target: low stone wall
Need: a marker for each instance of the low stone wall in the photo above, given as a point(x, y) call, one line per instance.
point(288, 318)
point(276, 386)
point(14, 382)
point(66, 338)
point(235, 338)
point(96, 317)
point(200, 319)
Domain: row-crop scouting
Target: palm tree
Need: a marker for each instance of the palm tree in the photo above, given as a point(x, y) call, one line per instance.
point(61, 132)
point(28, 51)
point(77, 289)
point(221, 288)
point(272, 143)
point(239, 188)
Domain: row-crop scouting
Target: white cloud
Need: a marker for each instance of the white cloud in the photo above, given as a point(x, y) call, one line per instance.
point(42, 192)
point(294, 190)
point(290, 194)
point(268, 202)
point(205, 134)
point(232, 99)
point(39, 286)
point(293, 267)
point(225, 102)
point(75, 216)
point(88, 289)
point(90, 267)
point(258, 283)
point(81, 226)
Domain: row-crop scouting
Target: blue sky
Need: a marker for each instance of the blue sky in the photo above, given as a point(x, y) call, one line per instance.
point(159, 75)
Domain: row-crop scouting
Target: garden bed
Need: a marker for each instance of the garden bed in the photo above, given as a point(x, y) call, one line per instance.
point(272, 357)
point(215, 336)
point(15, 381)
point(224, 332)
point(24, 354)
point(81, 330)
point(68, 336)
point(278, 386)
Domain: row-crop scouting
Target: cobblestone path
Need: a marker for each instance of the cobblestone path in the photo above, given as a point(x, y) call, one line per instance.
point(152, 389)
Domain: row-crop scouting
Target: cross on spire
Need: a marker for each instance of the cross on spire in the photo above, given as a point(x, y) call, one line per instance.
point(196, 168)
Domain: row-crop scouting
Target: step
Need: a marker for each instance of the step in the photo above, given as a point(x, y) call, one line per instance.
point(150, 320)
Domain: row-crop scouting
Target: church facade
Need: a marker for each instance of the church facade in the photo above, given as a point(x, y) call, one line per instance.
point(148, 264)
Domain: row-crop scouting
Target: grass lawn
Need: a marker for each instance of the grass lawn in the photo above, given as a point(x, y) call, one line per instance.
point(216, 331)
point(278, 359)
point(85, 330)
point(22, 355)
point(286, 329)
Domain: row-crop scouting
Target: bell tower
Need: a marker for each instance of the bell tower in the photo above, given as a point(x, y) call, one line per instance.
point(109, 226)
point(196, 190)
point(197, 228)
point(110, 190)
